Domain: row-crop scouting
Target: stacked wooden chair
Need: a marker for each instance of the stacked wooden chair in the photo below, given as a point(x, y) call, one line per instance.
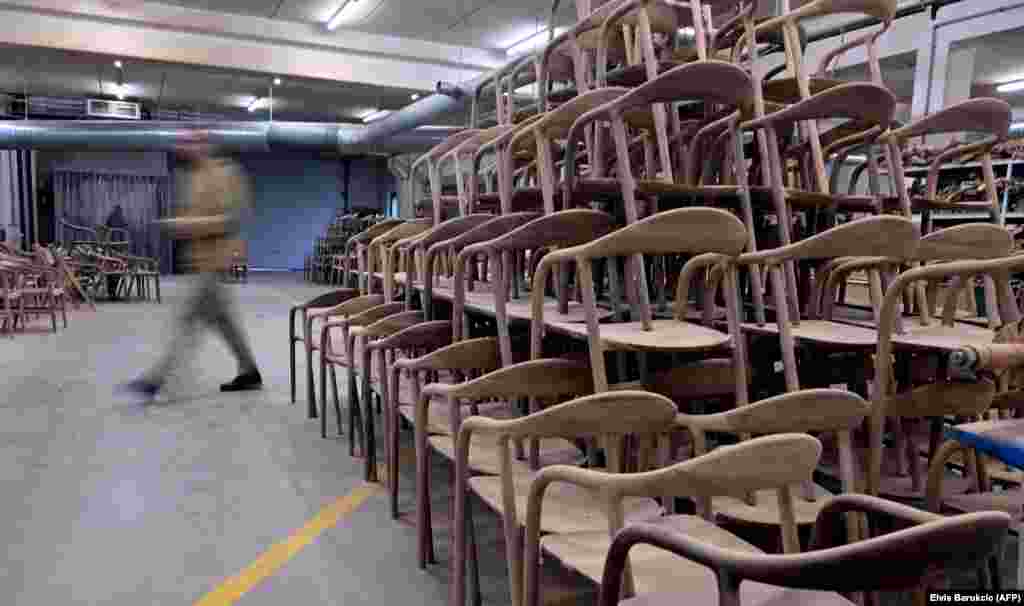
point(646, 304)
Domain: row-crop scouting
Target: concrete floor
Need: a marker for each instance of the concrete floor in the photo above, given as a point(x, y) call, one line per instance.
point(109, 502)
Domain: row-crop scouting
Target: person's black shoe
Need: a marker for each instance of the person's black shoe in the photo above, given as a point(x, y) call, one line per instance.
point(244, 381)
point(139, 387)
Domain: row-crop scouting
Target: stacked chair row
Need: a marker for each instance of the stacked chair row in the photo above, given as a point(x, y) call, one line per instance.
point(658, 301)
point(102, 265)
point(31, 286)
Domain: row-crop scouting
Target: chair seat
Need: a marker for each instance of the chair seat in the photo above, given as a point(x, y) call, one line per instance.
point(751, 594)
point(439, 417)
point(942, 338)
point(1009, 501)
point(567, 508)
point(658, 571)
point(485, 456)
point(924, 204)
point(759, 196)
point(634, 75)
point(765, 511)
point(665, 335)
point(703, 379)
point(799, 198)
point(823, 332)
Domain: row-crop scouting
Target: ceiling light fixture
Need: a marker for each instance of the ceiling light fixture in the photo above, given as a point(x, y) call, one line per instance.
point(255, 104)
point(415, 96)
point(532, 43)
point(119, 87)
point(1011, 87)
point(376, 114)
point(333, 23)
point(277, 82)
point(1017, 126)
point(118, 64)
point(687, 32)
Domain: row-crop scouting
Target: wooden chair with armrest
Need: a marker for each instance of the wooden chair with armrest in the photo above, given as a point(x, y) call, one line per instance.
point(770, 463)
point(913, 558)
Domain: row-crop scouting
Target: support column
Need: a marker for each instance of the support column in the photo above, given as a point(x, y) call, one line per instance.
point(401, 168)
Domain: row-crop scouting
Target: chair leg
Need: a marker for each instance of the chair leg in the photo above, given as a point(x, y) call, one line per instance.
point(370, 467)
point(310, 383)
point(323, 395)
point(337, 403)
point(394, 425)
point(353, 414)
point(474, 562)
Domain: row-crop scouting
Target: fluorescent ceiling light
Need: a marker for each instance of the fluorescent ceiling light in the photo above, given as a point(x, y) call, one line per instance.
point(1011, 87)
point(1017, 126)
point(435, 127)
point(120, 90)
point(333, 23)
point(376, 114)
point(255, 104)
point(532, 43)
point(277, 82)
point(415, 96)
point(855, 158)
point(118, 64)
point(687, 31)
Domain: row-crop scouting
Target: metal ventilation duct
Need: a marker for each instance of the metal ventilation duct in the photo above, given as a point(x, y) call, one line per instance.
point(396, 133)
point(232, 136)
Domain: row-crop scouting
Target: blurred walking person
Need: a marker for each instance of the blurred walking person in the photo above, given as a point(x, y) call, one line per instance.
point(217, 194)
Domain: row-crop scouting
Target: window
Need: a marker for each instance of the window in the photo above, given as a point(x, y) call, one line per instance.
point(393, 209)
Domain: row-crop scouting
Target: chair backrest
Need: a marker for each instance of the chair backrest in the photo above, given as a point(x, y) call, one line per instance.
point(543, 379)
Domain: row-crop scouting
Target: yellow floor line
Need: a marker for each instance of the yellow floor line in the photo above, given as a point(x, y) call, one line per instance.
point(235, 587)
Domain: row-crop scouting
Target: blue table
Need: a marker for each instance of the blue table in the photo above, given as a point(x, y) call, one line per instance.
point(1003, 440)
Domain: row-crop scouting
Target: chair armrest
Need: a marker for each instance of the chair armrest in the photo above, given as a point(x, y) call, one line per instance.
point(830, 523)
point(862, 101)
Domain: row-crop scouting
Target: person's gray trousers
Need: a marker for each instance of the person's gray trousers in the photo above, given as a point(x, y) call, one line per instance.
point(211, 306)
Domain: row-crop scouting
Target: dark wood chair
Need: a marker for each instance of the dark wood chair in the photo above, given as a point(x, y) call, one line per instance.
point(909, 559)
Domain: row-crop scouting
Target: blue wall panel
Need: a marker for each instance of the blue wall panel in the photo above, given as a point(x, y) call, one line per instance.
point(296, 195)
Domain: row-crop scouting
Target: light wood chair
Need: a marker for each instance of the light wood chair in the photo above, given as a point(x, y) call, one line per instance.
point(318, 307)
point(818, 411)
point(447, 250)
point(768, 463)
point(942, 337)
point(430, 161)
point(487, 446)
point(558, 230)
point(334, 351)
point(680, 231)
point(358, 246)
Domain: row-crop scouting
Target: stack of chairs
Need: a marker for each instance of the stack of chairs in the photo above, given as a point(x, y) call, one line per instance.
point(660, 321)
point(326, 263)
point(31, 286)
point(104, 266)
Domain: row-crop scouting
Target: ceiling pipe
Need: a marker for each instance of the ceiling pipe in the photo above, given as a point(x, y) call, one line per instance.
point(448, 98)
point(230, 136)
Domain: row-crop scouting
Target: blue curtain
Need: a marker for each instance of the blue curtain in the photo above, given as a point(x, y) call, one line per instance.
point(86, 198)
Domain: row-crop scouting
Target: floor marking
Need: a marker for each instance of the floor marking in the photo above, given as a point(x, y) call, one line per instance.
point(231, 589)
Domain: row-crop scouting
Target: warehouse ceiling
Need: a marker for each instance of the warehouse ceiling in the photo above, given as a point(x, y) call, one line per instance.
point(220, 57)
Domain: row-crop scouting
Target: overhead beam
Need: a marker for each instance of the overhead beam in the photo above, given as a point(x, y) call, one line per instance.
point(157, 32)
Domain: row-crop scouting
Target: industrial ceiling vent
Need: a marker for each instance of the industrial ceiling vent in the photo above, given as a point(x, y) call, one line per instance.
point(120, 110)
